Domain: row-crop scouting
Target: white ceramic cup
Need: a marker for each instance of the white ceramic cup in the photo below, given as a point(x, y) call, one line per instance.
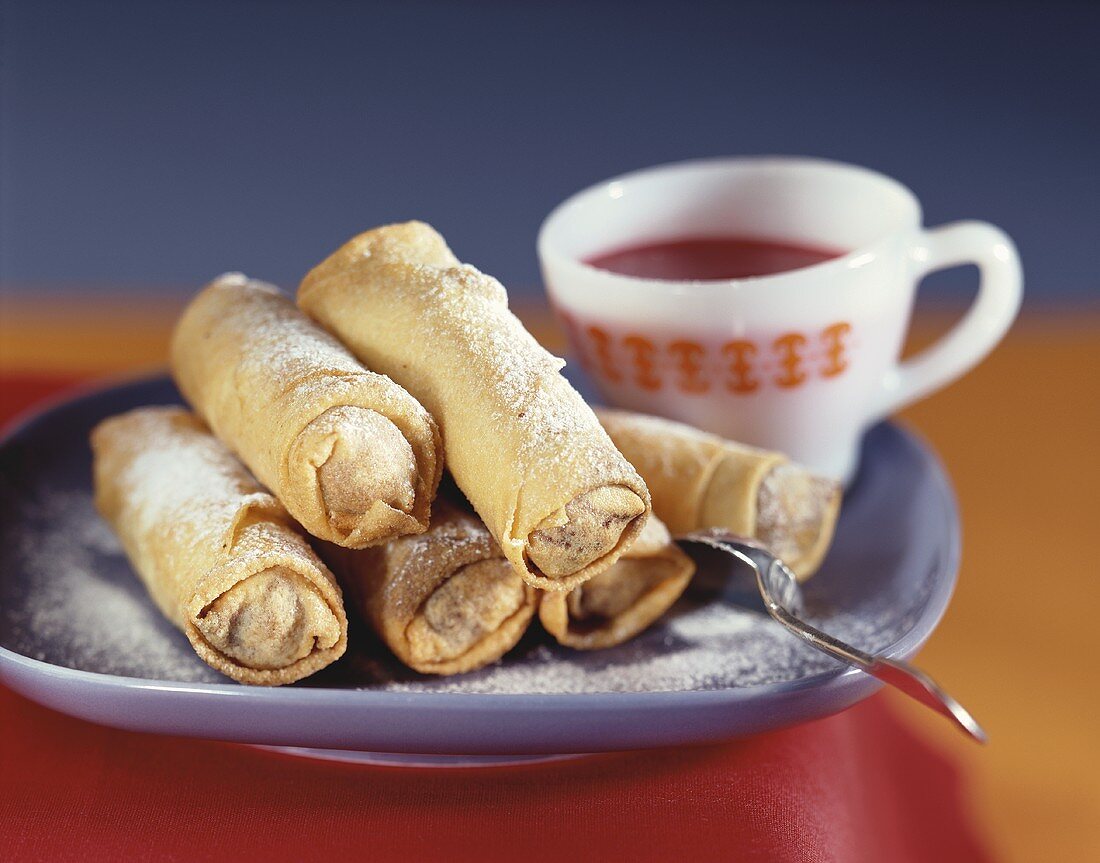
point(801, 361)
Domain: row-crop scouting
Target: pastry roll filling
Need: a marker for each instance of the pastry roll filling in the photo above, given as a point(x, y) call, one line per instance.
point(584, 530)
point(618, 603)
point(613, 591)
point(470, 605)
point(270, 620)
point(368, 460)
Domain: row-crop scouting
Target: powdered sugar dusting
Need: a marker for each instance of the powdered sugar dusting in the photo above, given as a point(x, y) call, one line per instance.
point(284, 344)
point(525, 376)
point(791, 507)
point(178, 477)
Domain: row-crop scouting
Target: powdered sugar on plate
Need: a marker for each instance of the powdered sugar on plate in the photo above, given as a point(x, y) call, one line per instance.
point(717, 637)
point(77, 603)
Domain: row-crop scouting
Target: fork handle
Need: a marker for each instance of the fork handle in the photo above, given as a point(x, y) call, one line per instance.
point(893, 672)
point(916, 684)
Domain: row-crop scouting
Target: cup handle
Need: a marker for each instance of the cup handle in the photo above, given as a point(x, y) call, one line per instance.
point(985, 322)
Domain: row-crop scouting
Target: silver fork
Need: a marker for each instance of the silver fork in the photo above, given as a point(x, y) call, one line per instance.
point(783, 599)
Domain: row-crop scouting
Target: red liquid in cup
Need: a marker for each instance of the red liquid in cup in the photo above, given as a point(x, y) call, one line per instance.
point(700, 258)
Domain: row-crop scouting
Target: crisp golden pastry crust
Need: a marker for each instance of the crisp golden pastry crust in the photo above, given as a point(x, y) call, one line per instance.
point(553, 490)
point(445, 601)
point(699, 480)
point(350, 454)
point(621, 601)
point(220, 556)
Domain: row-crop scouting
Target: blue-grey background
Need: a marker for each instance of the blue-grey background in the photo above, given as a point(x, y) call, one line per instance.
point(154, 144)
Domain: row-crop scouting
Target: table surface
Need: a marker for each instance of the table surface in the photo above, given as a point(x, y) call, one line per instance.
point(1019, 436)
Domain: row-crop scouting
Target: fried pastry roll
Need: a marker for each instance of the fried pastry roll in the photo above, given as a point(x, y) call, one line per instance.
point(699, 480)
point(445, 601)
point(351, 455)
point(219, 555)
point(618, 603)
point(560, 500)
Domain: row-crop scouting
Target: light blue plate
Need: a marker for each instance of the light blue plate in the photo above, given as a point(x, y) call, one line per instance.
point(79, 634)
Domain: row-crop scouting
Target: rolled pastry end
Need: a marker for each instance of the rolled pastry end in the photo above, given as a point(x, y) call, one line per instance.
point(269, 621)
point(363, 464)
point(370, 461)
point(470, 620)
point(586, 529)
point(796, 513)
point(618, 603)
point(607, 595)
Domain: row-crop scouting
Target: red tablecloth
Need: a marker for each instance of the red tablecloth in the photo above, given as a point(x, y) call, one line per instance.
point(859, 786)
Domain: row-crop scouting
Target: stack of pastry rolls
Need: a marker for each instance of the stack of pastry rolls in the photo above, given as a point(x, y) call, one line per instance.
point(345, 454)
point(318, 439)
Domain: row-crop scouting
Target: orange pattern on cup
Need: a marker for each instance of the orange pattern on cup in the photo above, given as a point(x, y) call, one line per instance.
point(743, 371)
point(740, 353)
point(789, 347)
point(642, 358)
point(835, 348)
point(690, 355)
point(601, 345)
